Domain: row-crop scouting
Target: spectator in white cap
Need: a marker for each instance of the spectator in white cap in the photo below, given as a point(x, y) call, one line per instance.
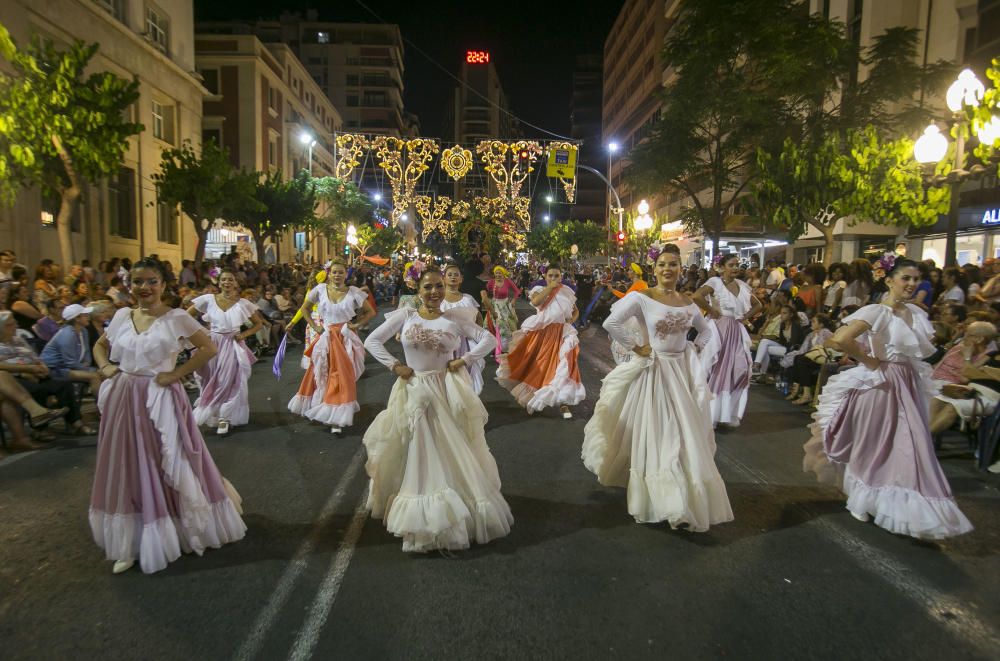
point(67, 355)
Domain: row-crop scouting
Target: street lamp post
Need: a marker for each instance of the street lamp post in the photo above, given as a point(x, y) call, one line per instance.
point(932, 147)
point(612, 150)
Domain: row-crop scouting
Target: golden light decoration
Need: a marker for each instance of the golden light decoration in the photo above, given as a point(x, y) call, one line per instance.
point(404, 162)
point(508, 173)
point(350, 147)
point(456, 161)
point(434, 217)
point(460, 210)
point(569, 185)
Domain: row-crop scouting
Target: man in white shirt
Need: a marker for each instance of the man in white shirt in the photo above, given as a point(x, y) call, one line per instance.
point(775, 275)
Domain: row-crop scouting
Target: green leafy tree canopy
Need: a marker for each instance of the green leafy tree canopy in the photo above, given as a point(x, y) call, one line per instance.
point(59, 127)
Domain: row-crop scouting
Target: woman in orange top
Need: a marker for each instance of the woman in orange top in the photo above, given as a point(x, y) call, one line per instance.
point(638, 284)
point(811, 293)
point(541, 369)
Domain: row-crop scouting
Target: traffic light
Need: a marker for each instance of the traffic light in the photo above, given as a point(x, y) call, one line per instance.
point(621, 238)
point(347, 249)
point(523, 158)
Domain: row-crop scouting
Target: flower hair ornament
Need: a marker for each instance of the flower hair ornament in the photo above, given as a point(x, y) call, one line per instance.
point(886, 262)
point(654, 252)
point(414, 269)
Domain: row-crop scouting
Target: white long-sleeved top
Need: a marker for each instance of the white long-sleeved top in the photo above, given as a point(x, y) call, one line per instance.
point(666, 326)
point(340, 312)
point(429, 344)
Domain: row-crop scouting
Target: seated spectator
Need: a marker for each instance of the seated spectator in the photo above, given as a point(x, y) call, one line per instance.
point(790, 336)
point(967, 403)
point(68, 354)
point(21, 361)
point(273, 317)
point(974, 349)
point(15, 401)
point(803, 364)
point(954, 286)
point(100, 317)
point(809, 297)
point(770, 323)
point(26, 313)
point(833, 288)
point(46, 327)
point(117, 292)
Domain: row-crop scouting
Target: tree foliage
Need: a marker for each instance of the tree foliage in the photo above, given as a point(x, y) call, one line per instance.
point(278, 206)
point(857, 177)
point(59, 127)
point(845, 157)
point(738, 70)
point(380, 241)
point(206, 187)
point(341, 203)
point(555, 242)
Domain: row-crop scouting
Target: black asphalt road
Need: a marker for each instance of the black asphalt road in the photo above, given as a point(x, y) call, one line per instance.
point(794, 576)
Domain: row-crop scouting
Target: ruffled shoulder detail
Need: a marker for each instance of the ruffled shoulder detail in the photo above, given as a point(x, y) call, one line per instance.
point(461, 315)
point(358, 297)
point(120, 319)
point(874, 314)
point(202, 302)
point(181, 324)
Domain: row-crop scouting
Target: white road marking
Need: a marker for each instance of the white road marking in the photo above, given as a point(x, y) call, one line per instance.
point(267, 616)
point(308, 636)
point(953, 614)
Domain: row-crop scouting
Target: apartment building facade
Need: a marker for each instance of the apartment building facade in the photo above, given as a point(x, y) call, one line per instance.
point(152, 43)
point(585, 126)
point(266, 109)
point(359, 66)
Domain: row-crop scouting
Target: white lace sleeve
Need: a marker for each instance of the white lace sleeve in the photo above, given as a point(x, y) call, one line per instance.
point(375, 343)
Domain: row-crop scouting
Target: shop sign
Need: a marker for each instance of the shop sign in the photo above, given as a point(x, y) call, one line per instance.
point(990, 217)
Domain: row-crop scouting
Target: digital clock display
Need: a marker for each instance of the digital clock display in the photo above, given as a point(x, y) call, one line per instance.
point(477, 56)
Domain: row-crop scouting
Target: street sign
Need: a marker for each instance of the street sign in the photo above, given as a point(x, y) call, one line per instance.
point(561, 163)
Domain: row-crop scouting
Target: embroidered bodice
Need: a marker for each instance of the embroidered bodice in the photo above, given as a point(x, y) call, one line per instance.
point(224, 321)
point(154, 350)
point(665, 326)
point(429, 344)
point(339, 312)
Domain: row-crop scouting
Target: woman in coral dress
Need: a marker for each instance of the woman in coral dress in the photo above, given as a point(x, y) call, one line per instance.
point(541, 369)
point(224, 399)
point(453, 298)
point(433, 479)
point(156, 489)
point(499, 298)
point(871, 434)
point(651, 431)
point(729, 302)
point(328, 392)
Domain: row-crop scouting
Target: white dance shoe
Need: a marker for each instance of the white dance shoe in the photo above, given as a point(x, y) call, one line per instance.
point(336, 430)
point(223, 428)
point(122, 566)
point(566, 413)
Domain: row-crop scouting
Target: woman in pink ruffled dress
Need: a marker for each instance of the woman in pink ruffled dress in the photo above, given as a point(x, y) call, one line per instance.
point(871, 434)
point(224, 399)
point(651, 431)
point(433, 479)
point(156, 491)
point(729, 301)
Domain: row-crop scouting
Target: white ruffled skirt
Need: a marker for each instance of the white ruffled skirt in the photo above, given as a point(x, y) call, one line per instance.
point(651, 433)
point(433, 478)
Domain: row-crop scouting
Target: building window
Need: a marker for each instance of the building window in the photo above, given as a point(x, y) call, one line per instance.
point(323, 37)
point(166, 223)
point(121, 204)
point(273, 98)
point(114, 7)
point(163, 122)
point(352, 100)
point(211, 135)
point(210, 79)
point(272, 150)
point(157, 30)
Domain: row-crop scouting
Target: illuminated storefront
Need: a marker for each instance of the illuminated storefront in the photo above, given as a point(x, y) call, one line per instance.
point(976, 239)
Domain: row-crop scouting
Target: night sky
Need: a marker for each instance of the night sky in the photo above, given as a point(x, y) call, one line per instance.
point(532, 44)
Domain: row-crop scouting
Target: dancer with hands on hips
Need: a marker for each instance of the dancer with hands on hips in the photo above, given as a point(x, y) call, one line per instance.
point(433, 478)
point(651, 431)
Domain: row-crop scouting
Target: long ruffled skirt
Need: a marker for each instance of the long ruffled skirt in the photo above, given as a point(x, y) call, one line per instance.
point(871, 437)
point(433, 478)
point(651, 433)
point(729, 379)
point(506, 321)
point(224, 379)
point(541, 369)
point(156, 490)
point(328, 392)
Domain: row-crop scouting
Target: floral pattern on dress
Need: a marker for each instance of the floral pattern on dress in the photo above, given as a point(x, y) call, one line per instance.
point(428, 340)
point(673, 322)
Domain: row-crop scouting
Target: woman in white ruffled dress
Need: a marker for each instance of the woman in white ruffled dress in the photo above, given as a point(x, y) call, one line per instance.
point(224, 399)
point(651, 431)
point(541, 368)
point(433, 479)
point(453, 298)
point(156, 490)
point(729, 301)
point(871, 434)
point(328, 392)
